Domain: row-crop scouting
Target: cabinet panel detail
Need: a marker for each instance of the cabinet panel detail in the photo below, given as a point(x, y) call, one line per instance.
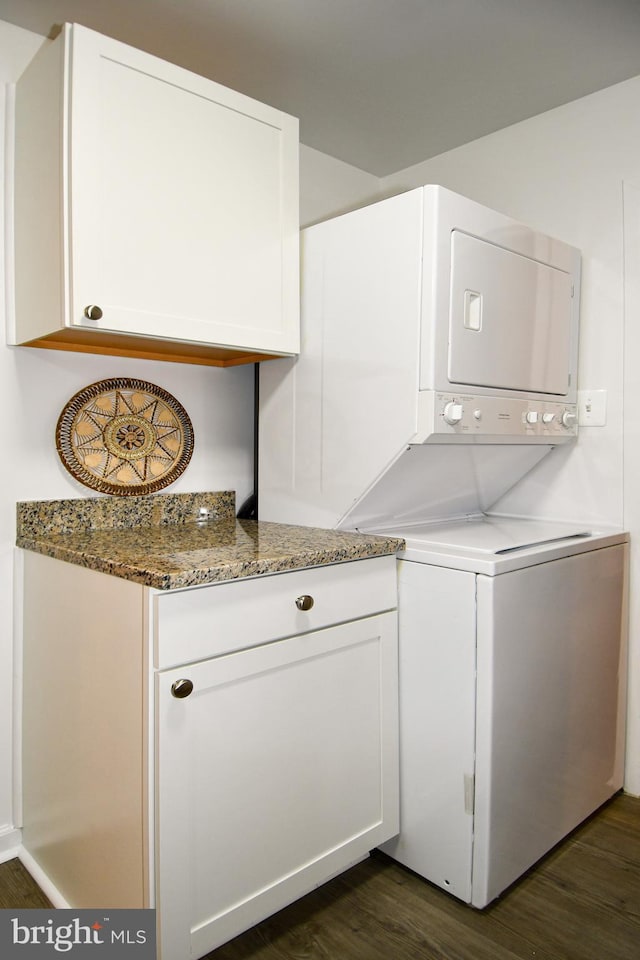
point(282, 760)
point(83, 733)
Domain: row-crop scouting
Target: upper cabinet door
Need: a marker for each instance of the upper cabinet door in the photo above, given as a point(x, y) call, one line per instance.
point(179, 202)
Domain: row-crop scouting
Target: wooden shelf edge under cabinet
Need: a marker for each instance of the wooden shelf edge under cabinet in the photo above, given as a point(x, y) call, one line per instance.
point(146, 348)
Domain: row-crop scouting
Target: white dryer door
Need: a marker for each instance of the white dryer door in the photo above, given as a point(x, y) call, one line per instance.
point(549, 723)
point(510, 322)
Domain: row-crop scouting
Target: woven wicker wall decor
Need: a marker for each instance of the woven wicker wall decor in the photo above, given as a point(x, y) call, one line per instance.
point(124, 437)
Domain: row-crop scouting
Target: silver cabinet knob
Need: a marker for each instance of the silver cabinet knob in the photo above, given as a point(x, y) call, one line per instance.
point(92, 312)
point(181, 689)
point(305, 602)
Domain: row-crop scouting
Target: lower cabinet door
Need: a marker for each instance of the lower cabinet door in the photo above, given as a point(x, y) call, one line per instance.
point(276, 771)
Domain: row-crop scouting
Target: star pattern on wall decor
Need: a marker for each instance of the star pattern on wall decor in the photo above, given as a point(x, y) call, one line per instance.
point(124, 437)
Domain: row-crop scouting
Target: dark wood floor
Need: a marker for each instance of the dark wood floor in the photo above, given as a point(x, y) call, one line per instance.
point(18, 890)
point(582, 902)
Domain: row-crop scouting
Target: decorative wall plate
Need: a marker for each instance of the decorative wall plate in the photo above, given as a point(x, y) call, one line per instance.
point(124, 437)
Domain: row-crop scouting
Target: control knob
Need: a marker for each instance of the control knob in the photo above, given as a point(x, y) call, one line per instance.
point(452, 413)
point(568, 418)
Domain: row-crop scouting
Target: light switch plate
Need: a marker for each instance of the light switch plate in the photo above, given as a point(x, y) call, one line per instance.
point(592, 408)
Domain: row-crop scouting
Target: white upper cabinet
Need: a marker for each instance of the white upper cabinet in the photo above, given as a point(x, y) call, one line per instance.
point(156, 212)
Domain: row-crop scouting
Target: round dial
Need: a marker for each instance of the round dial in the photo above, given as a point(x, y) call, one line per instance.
point(452, 413)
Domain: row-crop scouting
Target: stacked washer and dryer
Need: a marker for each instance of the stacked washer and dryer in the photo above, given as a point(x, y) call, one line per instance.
point(438, 366)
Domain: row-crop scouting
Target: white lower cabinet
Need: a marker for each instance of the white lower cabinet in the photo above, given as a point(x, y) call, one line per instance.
point(271, 766)
point(273, 774)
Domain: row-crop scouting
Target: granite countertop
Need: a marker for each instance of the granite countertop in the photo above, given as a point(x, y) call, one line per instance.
point(180, 540)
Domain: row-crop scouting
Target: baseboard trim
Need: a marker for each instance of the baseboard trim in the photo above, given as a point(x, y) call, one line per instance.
point(10, 843)
point(41, 878)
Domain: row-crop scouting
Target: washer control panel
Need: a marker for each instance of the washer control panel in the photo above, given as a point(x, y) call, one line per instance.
point(463, 414)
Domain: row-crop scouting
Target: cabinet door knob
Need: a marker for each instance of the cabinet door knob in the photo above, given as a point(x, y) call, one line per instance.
point(92, 312)
point(181, 689)
point(305, 602)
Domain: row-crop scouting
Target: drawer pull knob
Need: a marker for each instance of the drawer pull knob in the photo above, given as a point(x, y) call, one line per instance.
point(305, 602)
point(92, 312)
point(181, 689)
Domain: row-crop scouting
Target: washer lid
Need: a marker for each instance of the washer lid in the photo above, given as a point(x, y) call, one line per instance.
point(441, 482)
point(488, 535)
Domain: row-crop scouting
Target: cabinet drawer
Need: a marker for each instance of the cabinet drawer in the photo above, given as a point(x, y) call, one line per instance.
point(202, 622)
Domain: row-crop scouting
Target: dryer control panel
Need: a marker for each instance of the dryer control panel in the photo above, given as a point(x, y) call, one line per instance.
point(467, 416)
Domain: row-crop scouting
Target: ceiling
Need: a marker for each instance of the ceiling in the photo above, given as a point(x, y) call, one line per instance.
point(380, 84)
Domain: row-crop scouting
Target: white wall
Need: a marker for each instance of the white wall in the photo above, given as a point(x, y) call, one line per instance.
point(566, 172)
point(330, 187)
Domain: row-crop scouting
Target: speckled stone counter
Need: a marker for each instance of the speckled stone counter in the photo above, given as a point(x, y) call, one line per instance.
point(179, 540)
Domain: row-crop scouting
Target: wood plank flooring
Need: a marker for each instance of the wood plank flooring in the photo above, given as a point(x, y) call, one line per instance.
point(582, 902)
point(18, 890)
